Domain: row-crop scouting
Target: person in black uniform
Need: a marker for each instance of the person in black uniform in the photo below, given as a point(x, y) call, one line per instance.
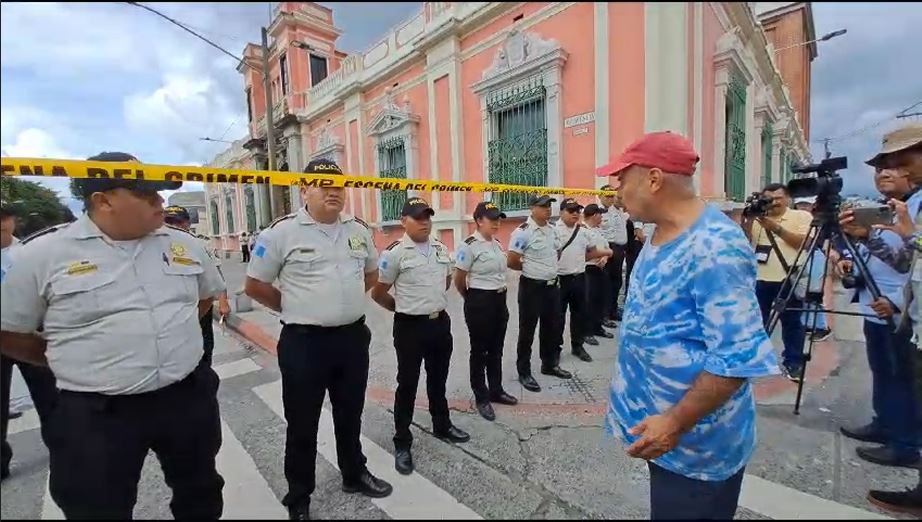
point(178, 218)
point(39, 379)
point(480, 278)
point(634, 245)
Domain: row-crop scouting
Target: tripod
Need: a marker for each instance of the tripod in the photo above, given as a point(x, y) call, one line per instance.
point(824, 230)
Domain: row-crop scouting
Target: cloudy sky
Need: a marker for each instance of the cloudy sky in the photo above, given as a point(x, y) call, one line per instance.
point(80, 78)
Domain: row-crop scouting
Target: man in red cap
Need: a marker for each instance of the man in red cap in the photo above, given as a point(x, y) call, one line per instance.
point(690, 341)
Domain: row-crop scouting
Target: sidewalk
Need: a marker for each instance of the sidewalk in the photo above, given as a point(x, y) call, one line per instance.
point(585, 393)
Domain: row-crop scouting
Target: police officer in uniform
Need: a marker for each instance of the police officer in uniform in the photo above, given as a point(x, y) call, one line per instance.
point(615, 230)
point(419, 269)
point(118, 297)
point(481, 280)
point(178, 218)
point(596, 277)
point(576, 247)
point(324, 261)
point(533, 251)
point(38, 379)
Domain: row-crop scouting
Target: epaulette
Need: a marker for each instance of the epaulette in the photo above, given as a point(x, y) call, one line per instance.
point(392, 245)
point(42, 232)
point(361, 222)
point(180, 229)
point(524, 225)
point(278, 220)
point(470, 239)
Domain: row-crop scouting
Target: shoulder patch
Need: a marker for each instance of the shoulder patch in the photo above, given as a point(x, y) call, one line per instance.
point(43, 232)
point(361, 222)
point(180, 230)
point(276, 221)
point(392, 245)
point(470, 239)
point(524, 225)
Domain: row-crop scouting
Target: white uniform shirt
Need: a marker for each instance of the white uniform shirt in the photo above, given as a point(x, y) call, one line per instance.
point(538, 247)
point(614, 226)
point(119, 317)
point(484, 261)
point(573, 259)
point(321, 278)
point(419, 280)
point(597, 240)
point(6, 257)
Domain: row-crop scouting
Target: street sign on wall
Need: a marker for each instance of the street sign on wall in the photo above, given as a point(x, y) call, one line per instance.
point(579, 119)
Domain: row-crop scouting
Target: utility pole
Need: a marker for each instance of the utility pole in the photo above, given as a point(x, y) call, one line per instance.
point(826, 146)
point(270, 124)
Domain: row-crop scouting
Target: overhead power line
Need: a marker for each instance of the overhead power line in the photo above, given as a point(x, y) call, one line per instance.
point(193, 33)
point(871, 126)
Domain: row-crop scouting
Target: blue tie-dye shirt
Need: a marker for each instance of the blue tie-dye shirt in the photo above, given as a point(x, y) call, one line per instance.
point(692, 308)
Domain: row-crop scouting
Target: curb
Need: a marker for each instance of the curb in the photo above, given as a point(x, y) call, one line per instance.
point(824, 361)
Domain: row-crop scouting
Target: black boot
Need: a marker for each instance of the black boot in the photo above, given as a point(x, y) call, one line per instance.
point(300, 511)
point(529, 383)
point(501, 397)
point(368, 485)
point(452, 434)
point(403, 461)
point(486, 410)
point(556, 371)
point(581, 354)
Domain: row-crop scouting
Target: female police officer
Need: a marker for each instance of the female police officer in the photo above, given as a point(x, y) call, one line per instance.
point(481, 279)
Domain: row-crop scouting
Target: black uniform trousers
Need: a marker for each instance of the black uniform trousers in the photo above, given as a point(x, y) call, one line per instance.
point(572, 296)
point(614, 270)
point(42, 389)
point(486, 315)
point(245, 250)
point(207, 324)
point(98, 443)
point(596, 299)
point(418, 338)
point(538, 299)
point(632, 250)
point(313, 360)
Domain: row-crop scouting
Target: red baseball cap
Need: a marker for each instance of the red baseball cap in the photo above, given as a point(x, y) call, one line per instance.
point(666, 151)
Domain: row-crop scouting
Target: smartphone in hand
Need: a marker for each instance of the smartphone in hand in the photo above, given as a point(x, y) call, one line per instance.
point(869, 216)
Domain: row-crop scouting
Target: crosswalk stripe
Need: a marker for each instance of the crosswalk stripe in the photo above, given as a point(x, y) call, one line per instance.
point(247, 495)
point(235, 368)
point(783, 503)
point(414, 497)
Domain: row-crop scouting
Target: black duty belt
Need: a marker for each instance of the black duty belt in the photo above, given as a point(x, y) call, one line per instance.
point(424, 317)
point(484, 291)
point(318, 328)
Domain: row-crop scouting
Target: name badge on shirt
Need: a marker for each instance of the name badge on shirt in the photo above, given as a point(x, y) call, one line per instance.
point(441, 255)
point(180, 260)
point(81, 267)
point(762, 253)
point(357, 243)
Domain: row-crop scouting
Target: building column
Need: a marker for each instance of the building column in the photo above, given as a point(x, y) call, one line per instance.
point(602, 129)
point(666, 67)
point(754, 180)
point(296, 163)
point(776, 157)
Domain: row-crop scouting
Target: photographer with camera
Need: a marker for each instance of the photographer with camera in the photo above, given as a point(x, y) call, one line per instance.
point(770, 213)
point(890, 351)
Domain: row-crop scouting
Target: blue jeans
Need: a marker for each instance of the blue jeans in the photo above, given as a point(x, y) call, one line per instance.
point(896, 406)
point(820, 316)
point(674, 497)
point(792, 329)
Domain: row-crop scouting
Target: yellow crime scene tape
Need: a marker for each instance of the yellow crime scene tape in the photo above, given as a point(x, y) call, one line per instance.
point(132, 170)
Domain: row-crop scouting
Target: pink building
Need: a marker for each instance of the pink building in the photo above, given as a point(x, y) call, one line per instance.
point(536, 93)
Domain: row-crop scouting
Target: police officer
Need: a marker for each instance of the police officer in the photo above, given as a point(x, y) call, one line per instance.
point(118, 297)
point(324, 261)
point(576, 248)
point(533, 251)
point(177, 218)
point(614, 228)
point(38, 379)
point(596, 277)
point(419, 269)
point(481, 280)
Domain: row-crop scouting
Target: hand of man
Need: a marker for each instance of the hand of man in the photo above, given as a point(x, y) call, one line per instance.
point(224, 307)
point(904, 225)
point(659, 434)
point(769, 224)
point(883, 308)
point(843, 268)
point(846, 220)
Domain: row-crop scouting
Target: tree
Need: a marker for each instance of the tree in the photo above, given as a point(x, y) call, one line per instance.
point(36, 206)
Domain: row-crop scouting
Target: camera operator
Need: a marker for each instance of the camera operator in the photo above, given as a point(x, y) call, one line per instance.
point(890, 353)
point(789, 228)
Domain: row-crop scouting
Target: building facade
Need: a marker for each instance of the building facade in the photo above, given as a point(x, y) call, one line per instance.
point(533, 93)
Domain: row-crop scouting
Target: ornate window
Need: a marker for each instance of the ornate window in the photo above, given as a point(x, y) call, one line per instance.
point(395, 131)
point(520, 100)
point(735, 144)
point(329, 147)
point(766, 154)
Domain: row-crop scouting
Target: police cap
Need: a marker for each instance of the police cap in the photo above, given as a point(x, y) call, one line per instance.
point(87, 186)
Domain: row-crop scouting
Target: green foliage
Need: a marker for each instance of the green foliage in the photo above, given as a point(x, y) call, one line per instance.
point(36, 206)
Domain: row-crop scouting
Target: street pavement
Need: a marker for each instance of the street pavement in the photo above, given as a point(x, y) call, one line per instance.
point(547, 460)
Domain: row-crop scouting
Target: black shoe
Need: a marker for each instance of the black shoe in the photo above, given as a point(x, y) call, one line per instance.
point(868, 433)
point(504, 398)
point(486, 410)
point(591, 341)
point(403, 461)
point(582, 355)
point(793, 373)
point(603, 333)
point(15, 415)
point(556, 371)
point(820, 335)
point(368, 485)
point(529, 383)
point(609, 323)
point(909, 501)
point(887, 456)
point(453, 434)
point(300, 511)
